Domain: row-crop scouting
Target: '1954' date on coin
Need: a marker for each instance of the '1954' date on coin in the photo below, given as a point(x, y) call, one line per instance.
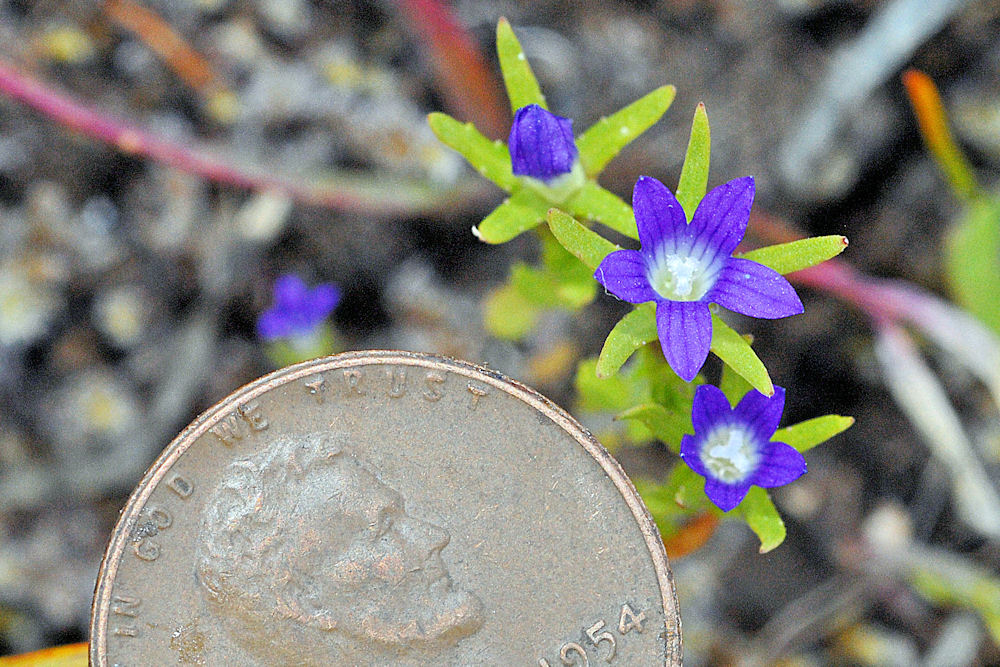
point(604, 643)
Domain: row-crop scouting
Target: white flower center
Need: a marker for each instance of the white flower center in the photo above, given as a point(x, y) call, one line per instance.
point(730, 454)
point(679, 278)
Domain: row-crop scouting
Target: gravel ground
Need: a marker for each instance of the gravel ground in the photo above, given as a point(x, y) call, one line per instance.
point(129, 288)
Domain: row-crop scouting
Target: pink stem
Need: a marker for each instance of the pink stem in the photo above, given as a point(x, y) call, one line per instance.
point(133, 140)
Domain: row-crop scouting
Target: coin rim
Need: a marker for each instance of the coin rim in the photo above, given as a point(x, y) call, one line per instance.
point(179, 445)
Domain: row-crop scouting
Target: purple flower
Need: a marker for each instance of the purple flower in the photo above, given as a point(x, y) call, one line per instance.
point(297, 310)
point(732, 449)
point(541, 144)
point(684, 267)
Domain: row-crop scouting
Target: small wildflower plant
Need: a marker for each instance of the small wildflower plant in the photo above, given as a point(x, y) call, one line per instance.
point(296, 327)
point(727, 441)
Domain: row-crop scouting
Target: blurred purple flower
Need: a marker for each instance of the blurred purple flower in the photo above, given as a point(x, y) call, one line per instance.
point(297, 310)
point(541, 144)
point(684, 267)
point(732, 449)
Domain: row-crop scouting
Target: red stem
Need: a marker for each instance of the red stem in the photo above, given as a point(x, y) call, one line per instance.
point(469, 87)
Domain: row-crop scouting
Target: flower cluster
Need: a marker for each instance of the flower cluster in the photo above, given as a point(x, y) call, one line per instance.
point(685, 266)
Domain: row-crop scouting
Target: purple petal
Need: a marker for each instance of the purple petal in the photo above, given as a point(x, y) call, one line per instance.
point(541, 144)
point(623, 273)
point(323, 299)
point(691, 453)
point(685, 331)
point(780, 464)
point(272, 324)
point(658, 215)
point(721, 219)
point(760, 412)
point(711, 407)
point(725, 496)
point(289, 290)
point(753, 289)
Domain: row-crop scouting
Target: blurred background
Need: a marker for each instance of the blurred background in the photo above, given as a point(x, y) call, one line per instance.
point(163, 162)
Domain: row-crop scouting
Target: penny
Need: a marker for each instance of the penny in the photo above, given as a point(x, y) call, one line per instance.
point(385, 508)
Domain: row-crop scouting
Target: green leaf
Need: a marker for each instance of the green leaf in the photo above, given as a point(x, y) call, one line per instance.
point(542, 288)
point(971, 252)
point(667, 426)
point(489, 158)
point(763, 518)
point(586, 245)
point(687, 488)
point(605, 139)
point(806, 435)
point(518, 213)
point(507, 314)
point(694, 173)
point(947, 579)
point(733, 385)
point(522, 86)
point(733, 349)
point(797, 255)
point(632, 332)
point(593, 202)
point(597, 394)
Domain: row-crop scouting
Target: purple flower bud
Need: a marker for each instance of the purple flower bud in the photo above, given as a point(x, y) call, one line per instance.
point(541, 144)
point(297, 310)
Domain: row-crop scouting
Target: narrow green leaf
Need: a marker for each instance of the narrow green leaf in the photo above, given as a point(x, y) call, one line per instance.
point(522, 86)
point(632, 332)
point(507, 314)
point(518, 213)
point(733, 385)
point(971, 251)
point(694, 173)
point(797, 255)
point(687, 487)
point(763, 518)
point(605, 139)
point(806, 435)
point(594, 394)
point(547, 290)
point(667, 426)
point(733, 349)
point(593, 202)
point(489, 158)
point(586, 245)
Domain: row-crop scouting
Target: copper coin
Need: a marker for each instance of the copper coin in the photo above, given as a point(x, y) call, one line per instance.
point(385, 508)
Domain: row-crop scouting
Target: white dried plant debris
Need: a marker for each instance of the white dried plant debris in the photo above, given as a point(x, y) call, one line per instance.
point(27, 307)
point(122, 314)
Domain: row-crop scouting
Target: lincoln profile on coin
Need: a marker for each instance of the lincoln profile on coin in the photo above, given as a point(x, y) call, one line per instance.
point(305, 557)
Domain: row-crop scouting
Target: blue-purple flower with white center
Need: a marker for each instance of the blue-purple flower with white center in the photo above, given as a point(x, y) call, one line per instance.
point(541, 144)
point(685, 267)
point(732, 448)
point(298, 311)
